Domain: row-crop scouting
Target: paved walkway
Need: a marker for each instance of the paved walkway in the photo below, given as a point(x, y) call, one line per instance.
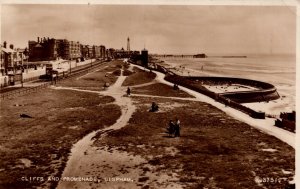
point(265, 125)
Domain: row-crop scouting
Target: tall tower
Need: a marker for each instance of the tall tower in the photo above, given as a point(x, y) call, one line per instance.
point(128, 44)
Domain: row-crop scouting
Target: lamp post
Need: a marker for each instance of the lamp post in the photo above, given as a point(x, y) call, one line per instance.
point(21, 54)
point(22, 79)
point(70, 66)
point(91, 63)
point(26, 56)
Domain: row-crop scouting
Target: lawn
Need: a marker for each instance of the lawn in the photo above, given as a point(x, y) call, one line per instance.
point(39, 146)
point(139, 77)
point(159, 89)
point(107, 73)
point(214, 150)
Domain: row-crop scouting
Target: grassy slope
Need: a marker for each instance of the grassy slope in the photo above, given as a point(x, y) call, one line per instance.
point(214, 149)
point(139, 77)
point(159, 89)
point(96, 80)
point(60, 118)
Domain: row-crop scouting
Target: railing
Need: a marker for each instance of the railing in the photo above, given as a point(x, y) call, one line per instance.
point(23, 91)
point(27, 90)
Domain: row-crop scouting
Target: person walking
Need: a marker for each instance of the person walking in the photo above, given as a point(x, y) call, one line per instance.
point(128, 91)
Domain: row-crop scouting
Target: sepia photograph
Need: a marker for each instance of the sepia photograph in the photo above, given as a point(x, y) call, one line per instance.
point(148, 94)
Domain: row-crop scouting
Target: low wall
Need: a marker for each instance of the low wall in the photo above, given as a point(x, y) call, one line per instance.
point(253, 96)
point(33, 73)
point(193, 84)
point(265, 91)
point(232, 80)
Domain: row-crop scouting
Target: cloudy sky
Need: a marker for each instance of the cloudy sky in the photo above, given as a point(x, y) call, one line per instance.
point(174, 29)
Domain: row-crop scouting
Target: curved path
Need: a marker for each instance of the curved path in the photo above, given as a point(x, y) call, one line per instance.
point(99, 165)
point(265, 125)
point(102, 163)
point(83, 155)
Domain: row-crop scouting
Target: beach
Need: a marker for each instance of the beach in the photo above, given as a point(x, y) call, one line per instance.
point(278, 70)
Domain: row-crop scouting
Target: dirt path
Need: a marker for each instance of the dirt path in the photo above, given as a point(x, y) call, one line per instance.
point(106, 167)
point(86, 161)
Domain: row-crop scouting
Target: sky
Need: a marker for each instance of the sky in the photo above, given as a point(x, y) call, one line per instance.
point(171, 29)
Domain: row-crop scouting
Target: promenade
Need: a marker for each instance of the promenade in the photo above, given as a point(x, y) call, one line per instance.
point(102, 138)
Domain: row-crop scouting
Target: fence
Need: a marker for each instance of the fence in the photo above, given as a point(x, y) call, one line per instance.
point(26, 90)
point(23, 91)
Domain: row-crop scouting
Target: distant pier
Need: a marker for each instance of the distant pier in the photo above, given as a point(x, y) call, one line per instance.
point(172, 56)
point(202, 55)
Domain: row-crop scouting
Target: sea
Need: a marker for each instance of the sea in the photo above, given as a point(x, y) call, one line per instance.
point(279, 70)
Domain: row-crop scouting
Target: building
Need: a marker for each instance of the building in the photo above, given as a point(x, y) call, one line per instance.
point(120, 53)
point(11, 60)
point(84, 51)
point(71, 50)
point(60, 47)
point(103, 51)
point(111, 52)
point(96, 51)
point(43, 49)
point(90, 51)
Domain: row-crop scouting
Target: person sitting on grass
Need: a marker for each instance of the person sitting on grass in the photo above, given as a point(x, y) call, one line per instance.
point(106, 84)
point(175, 87)
point(154, 107)
point(177, 128)
point(171, 128)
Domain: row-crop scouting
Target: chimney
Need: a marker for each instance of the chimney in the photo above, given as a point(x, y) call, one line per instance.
point(11, 46)
point(38, 39)
point(4, 44)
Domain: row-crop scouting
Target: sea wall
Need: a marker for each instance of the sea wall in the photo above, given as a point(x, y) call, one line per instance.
point(194, 85)
point(232, 80)
point(264, 92)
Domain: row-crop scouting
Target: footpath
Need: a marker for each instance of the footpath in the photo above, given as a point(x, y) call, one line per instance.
point(99, 164)
point(265, 125)
point(84, 157)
